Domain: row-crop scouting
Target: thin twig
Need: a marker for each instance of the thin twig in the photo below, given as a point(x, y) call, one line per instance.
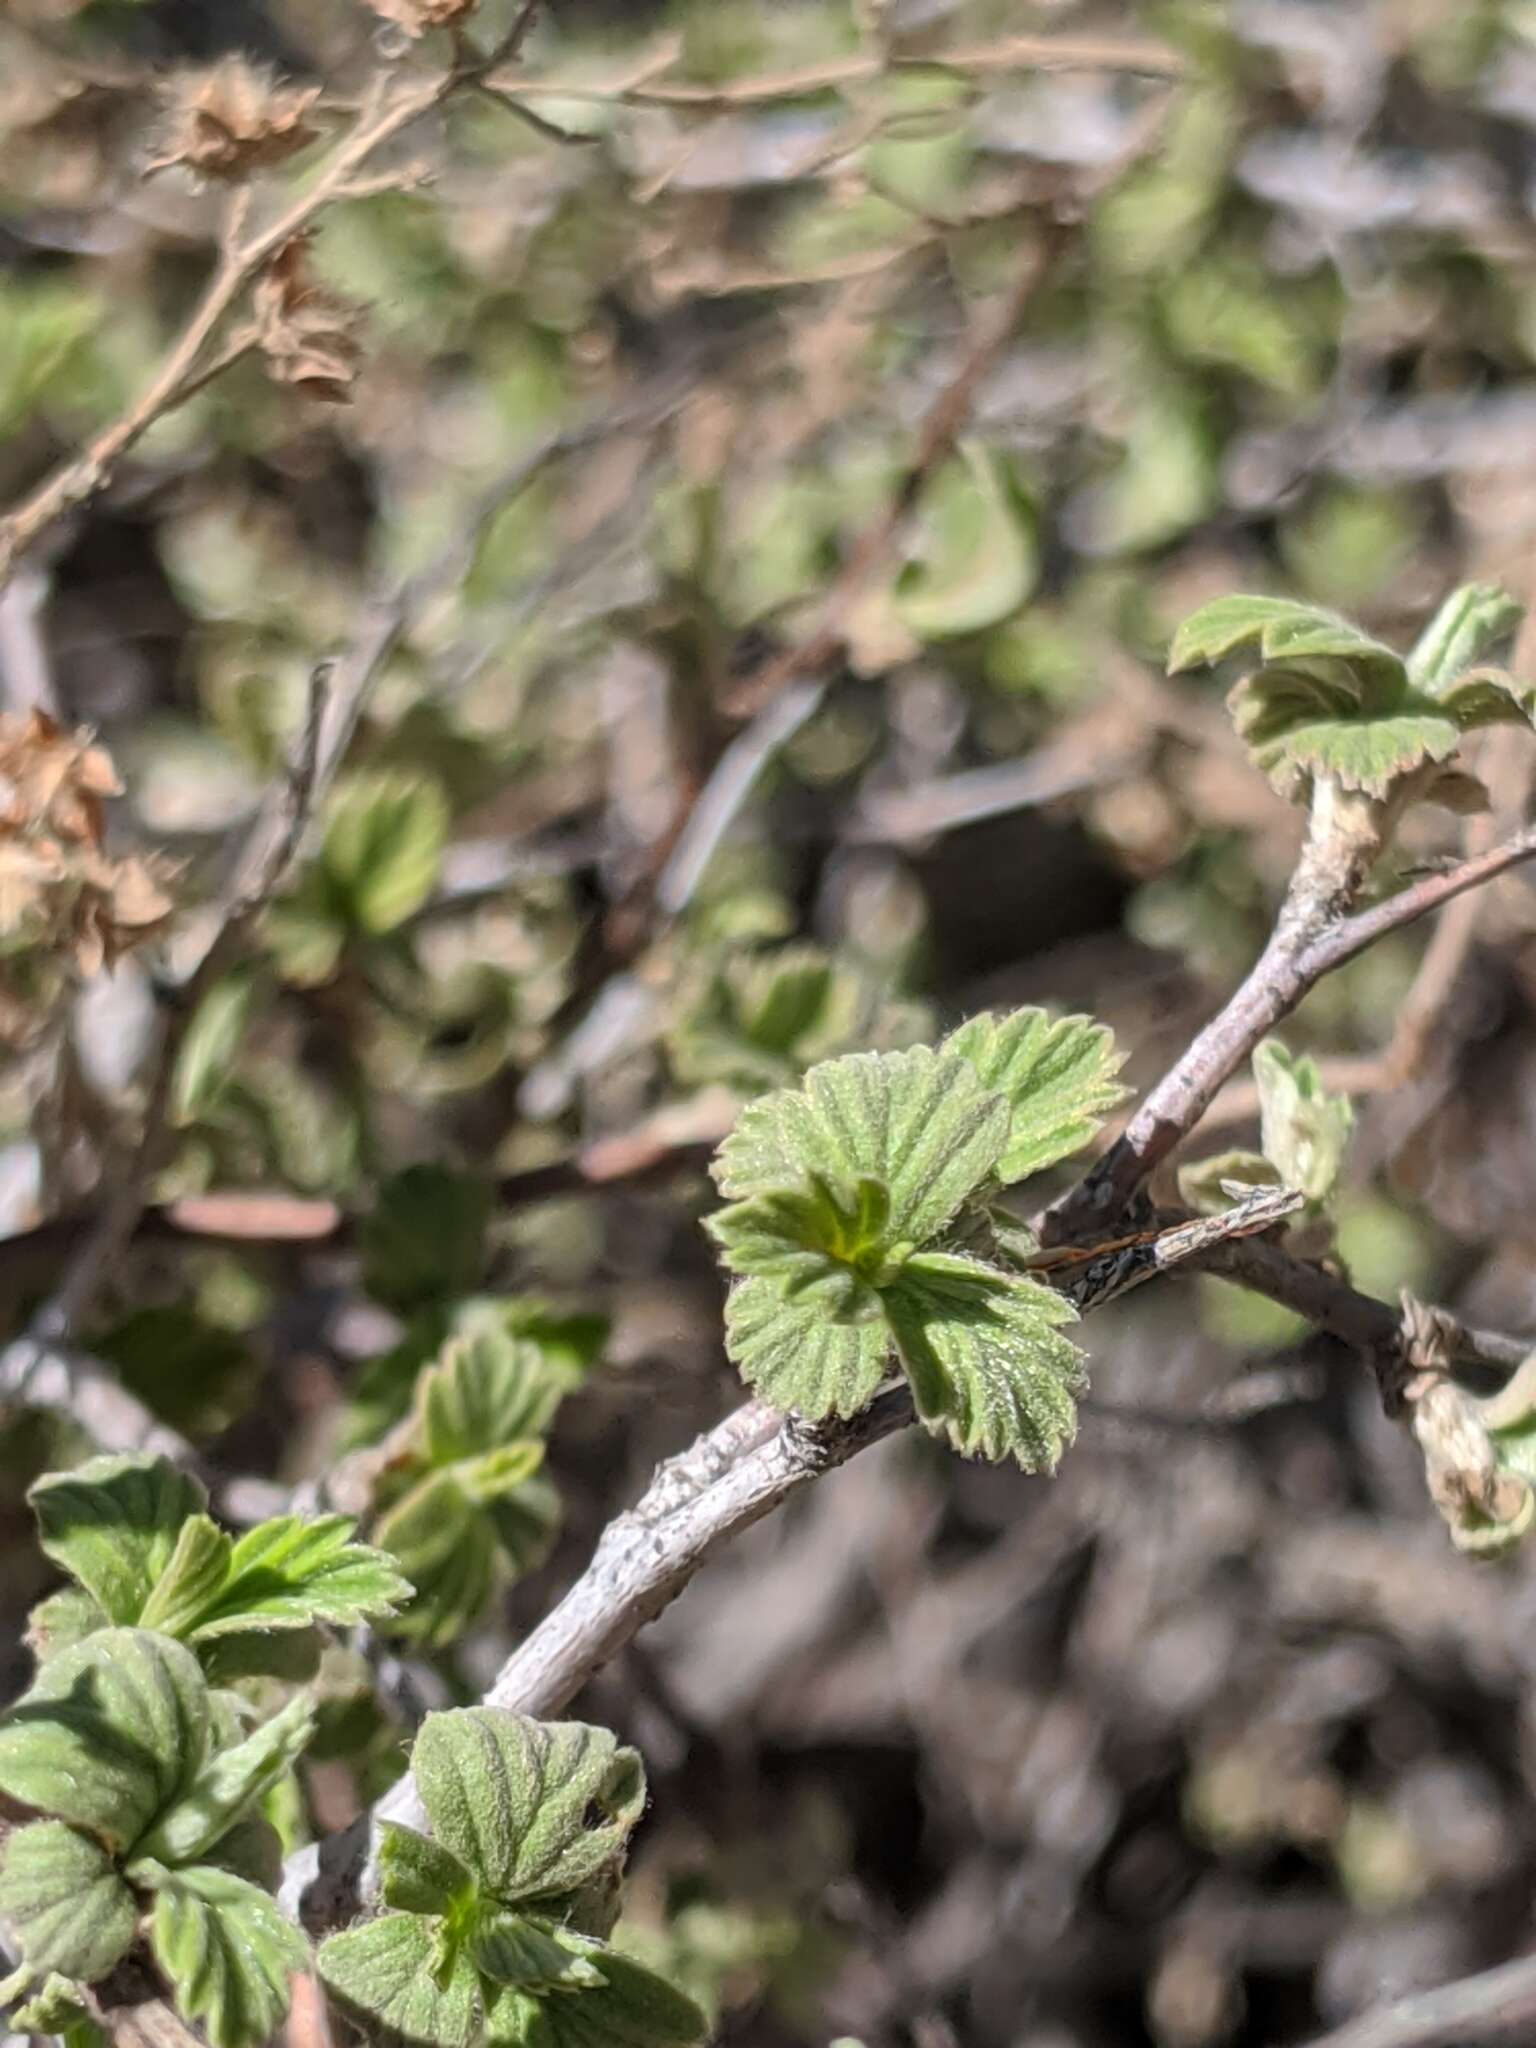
point(1316, 932)
point(1474, 2009)
point(185, 368)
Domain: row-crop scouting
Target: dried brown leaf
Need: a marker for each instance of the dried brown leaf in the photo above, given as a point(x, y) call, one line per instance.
point(52, 780)
point(306, 332)
point(232, 118)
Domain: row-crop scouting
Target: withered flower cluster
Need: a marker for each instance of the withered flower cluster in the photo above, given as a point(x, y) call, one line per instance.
point(67, 908)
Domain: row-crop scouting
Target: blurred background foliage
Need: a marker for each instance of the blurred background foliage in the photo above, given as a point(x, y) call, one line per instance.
point(1212, 1739)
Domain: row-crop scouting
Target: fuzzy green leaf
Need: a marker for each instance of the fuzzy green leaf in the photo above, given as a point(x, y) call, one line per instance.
point(289, 1573)
point(229, 1785)
point(975, 560)
point(535, 1955)
point(1279, 628)
point(1367, 754)
point(208, 1052)
point(391, 1971)
point(194, 1577)
point(57, 2007)
point(1470, 624)
point(1304, 1128)
point(758, 1020)
point(66, 1901)
point(798, 1357)
point(425, 1240)
point(418, 1875)
point(62, 1620)
point(984, 1352)
point(529, 1807)
point(1488, 696)
point(227, 1951)
point(383, 845)
point(815, 1243)
point(919, 1122)
point(447, 1547)
point(632, 2008)
point(113, 1524)
point(109, 1734)
point(487, 1390)
point(1056, 1075)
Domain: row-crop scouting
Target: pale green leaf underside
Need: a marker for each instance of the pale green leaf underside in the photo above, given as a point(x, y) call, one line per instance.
point(227, 1951)
point(1057, 1076)
point(110, 1734)
point(112, 1524)
point(1368, 755)
point(798, 1357)
point(1305, 1129)
point(66, 1902)
point(986, 1358)
point(918, 1121)
point(975, 562)
point(528, 1807)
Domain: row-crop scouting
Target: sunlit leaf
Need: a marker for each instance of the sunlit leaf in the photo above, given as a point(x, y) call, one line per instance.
point(227, 1951)
point(66, 1901)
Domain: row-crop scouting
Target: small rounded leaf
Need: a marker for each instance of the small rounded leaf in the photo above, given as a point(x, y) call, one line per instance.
point(109, 1735)
point(529, 1807)
point(68, 1905)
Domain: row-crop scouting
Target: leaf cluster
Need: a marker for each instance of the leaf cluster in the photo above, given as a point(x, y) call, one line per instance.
point(495, 1927)
point(466, 1503)
point(1329, 702)
point(861, 1232)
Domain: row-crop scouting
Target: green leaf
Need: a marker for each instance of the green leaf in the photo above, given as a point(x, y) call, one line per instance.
point(529, 1807)
point(1203, 1183)
point(496, 1475)
point(57, 2007)
point(113, 1524)
point(975, 558)
point(384, 844)
point(1369, 756)
point(289, 1573)
point(418, 1875)
point(425, 1240)
point(63, 1619)
point(919, 1122)
point(63, 1896)
point(228, 1787)
point(1278, 627)
point(799, 1357)
point(633, 2008)
point(196, 1573)
point(487, 1390)
point(814, 1242)
point(534, 1955)
point(984, 1352)
point(227, 1951)
point(525, 1522)
point(1056, 1075)
point(1488, 696)
point(757, 1020)
point(390, 1970)
point(209, 1050)
point(1304, 1128)
point(109, 1734)
point(1472, 621)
